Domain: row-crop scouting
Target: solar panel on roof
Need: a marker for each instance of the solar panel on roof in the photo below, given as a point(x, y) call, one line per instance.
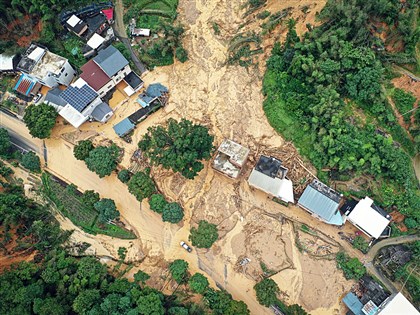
point(79, 98)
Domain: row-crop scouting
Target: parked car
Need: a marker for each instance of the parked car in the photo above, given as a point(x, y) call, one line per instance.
point(37, 98)
point(186, 247)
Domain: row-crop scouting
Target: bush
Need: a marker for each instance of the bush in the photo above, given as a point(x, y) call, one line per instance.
point(31, 161)
point(178, 269)
point(124, 176)
point(82, 149)
point(205, 235)
point(361, 244)
point(40, 120)
point(181, 54)
point(103, 160)
point(141, 186)
point(172, 213)
point(107, 210)
point(89, 198)
point(411, 223)
point(198, 283)
point(5, 144)
point(266, 291)
point(157, 203)
point(352, 267)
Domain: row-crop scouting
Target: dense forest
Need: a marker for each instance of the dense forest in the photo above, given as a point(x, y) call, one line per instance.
point(325, 92)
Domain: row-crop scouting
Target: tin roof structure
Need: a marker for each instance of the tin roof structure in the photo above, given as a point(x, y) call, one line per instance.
point(111, 60)
point(123, 127)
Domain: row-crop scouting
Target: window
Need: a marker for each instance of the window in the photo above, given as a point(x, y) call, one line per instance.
point(109, 86)
point(66, 74)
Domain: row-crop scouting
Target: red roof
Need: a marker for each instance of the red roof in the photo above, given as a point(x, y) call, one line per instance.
point(109, 13)
point(94, 76)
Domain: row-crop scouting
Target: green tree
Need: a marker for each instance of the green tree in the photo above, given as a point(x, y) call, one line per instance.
point(85, 300)
point(178, 269)
point(82, 149)
point(157, 203)
point(107, 210)
point(124, 176)
point(4, 170)
point(237, 308)
point(40, 120)
point(352, 267)
point(5, 144)
point(178, 310)
point(122, 253)
point(180, 146)
point(141, 186)
point(150, 304)
point(141, 277)
point(205, 235)
point(172, 213)
point(361, 244)
point(181, 54)
point(103, 160)
point(218, 300)
point(49, 306)
point(266, 291)
point(410, 223)
point(31, 161)
point(89, 198)
point(198, 283)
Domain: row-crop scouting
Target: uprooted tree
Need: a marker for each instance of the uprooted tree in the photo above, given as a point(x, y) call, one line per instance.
point(179, 146)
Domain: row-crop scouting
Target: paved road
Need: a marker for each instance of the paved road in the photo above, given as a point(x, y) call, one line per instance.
point(120, 31)
point(370, 256)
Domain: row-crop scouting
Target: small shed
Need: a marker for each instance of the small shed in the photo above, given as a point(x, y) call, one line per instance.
point(124, 127)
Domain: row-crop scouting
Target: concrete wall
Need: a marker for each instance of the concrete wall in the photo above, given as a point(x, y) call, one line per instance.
point(121, 74)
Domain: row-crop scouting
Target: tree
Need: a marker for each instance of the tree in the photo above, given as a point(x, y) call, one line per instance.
point(198, 283)
point(5, 144)
point(157, 203)
point(352, 267)
point(124, 176)
point(266, 291)
point(205, 235)
point(107, 210)
point(103, 160)
point(4, 170)
point(40, 120)
point(122, 253)
point(172, 213)
point(218, 300)
point(89, 198)
point(150, 304)
point(85, 300)
point(181, 54)
point(31, 161)
point(141, 277)
point(180, 146)
point(178, 310)
point(410, 223)
point(178, 269)
point(82, 149)
point(141, 186)
point(237, 308)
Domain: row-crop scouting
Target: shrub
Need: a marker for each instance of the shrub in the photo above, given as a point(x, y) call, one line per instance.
point(107, 210)
point(124, 176)
point(205, 235)
point(157, 203)
point(31, 161)
point(361, 244)
point(352, 267)
point(82, 149)
point(172, 213)
point(178, 269)
point(266, 291)
point(181, 54)
point(198, 283)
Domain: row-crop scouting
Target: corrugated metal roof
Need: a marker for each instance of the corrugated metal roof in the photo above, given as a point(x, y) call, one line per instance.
point(94, 75)
point(123, 127)
point(318, 203)
point(25, 84)
point(280, 188)
point(353, 303)
point(101, 111)
point(111, 60)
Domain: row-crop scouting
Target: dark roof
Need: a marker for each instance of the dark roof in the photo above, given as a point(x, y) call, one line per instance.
point(94, 22)
point(156, 90)
point(268, 165)
point(25, 84)
point(348, 206)
point(133, 80)
point(123, 127)
point(372, 291)
point(54, 96)
point(144, 100)
point(110, 60)
point(101, 111)
point(94, 75)
point(79, 98)
point(142, 113)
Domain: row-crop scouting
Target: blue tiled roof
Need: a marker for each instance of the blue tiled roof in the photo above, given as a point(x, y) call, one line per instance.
point(156, 90)
point(123, 127)
point(353, 303)
point(111, 60)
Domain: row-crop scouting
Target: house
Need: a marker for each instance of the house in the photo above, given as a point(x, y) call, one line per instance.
point(76, 25)
point(97, 22)
point(397, 304)
point(154, 92)
point(230, 158)
point(8, 63)
point(124, 127)
point(95, 41)
point(322, 202)
point(145, 32)
point(93, 75)
point(78, 103)
point(47, 68)
point(113, 63)
point(269, 176)
point(134, 83)
point(368, 217)
point(109, 13)
point(27, 86)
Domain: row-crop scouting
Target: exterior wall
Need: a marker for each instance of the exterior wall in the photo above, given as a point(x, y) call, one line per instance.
point(107, 87)
point(89, 109)
point(67, 74)
point(49, 80)
point(107, 117)
point(117, 78)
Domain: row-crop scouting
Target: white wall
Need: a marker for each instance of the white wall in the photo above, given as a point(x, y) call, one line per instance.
point(67, 74)
point(121, 74)
point(102, 91)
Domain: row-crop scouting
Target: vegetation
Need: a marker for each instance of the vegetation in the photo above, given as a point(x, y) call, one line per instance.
point(198, 283)
point(31, 161)
point(141, 277)
point(216, 28)
point(172, 213)
point(40, 120)
point(179, 270)
point(157, 203)
point(180, 146)
point(5, 144)
point(103, 160)
point(124, 176)
point(323, 92)
point(80, 209)
point(107, 210)
point(5, 171)
point(361, 244)
point(404, 101)
point(352, 267)
point(266, 291)
point(82, 149)
point(205, 235)
point(141, 185)
point(221, 303)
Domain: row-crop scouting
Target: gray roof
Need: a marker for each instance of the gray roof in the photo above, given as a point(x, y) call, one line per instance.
point(123, 127)
point(110, 60)
point(53, 97)
point(156, 90)
point(101, 111)
point(319, 202)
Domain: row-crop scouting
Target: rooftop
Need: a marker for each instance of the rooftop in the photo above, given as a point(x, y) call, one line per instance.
point(76, 25)
point(94, 75)
point(353, 303)
point(73, 116)
point(95, 21)
point(109, 13)
point(368, 219)
point(110, 60)
point(54, 97)
point(124, 127)
point(271, 166)
point(101, 111)
point(236, 153)
point(133, 80)
point(50, 63)
point(25, 84)
point(142, 113)
point(79, 95)
point(156, 90)
point(398, 305)
point(32, 55)
point(6, 62)
point(95, 41)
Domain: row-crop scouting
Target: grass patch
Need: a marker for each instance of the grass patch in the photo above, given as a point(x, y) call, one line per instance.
point(71, 206)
